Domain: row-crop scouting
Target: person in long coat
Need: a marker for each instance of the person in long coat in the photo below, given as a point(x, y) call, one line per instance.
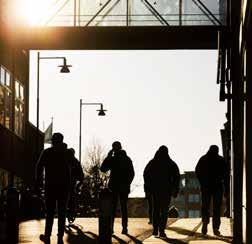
point(213, 174)
point(161, 178)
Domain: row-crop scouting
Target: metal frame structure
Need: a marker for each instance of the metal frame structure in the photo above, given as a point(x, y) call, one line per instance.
point(161, 18)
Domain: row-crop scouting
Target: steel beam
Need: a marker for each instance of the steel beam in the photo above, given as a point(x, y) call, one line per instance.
point(116, 38)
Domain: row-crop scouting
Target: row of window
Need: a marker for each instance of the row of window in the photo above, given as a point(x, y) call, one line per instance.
point(192, 183)
point(194, 198)
point(7, 91)
point(191, 198)
point(191, 213)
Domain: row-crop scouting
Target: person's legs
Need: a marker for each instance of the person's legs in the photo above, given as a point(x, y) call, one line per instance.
point(205, 207)
point(150, 207)
point(62, 206)
point(124, 210)
point(50, 203)
point(156, 213)
point(114, 206)
point(164, 207)
point(217, 200)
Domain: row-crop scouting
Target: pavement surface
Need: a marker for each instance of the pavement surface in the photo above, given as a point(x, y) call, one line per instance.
point(85, 230)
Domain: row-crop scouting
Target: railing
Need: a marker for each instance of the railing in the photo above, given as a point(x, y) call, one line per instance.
point(124, 12)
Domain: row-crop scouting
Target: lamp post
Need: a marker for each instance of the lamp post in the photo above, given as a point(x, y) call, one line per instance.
point(101, 112)
point(64, 69)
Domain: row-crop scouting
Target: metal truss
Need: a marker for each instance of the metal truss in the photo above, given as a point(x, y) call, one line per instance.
point(104, 10)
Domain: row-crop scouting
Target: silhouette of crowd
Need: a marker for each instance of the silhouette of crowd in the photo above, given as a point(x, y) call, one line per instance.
point(59, 173)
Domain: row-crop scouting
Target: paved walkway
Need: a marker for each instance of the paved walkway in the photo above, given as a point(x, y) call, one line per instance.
point(85, 230)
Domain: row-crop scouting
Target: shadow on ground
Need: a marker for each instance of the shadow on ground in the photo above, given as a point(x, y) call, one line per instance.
point(76, 234)
point(193, 236)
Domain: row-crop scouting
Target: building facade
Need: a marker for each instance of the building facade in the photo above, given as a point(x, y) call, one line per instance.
point(19, 139)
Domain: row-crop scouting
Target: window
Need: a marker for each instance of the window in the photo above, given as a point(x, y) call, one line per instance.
point(180, 199)
point(194, 213)
point(5, 98)
point(19, 109)
point(194, 198)
point(181, 213)
point(192, 183)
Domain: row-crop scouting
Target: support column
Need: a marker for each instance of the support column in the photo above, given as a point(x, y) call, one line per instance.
point(237, 119)
point(237, 132)
point(249, 146)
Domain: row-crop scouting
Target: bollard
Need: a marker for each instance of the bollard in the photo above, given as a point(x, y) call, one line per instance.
point(105, 216)
point(12, 215)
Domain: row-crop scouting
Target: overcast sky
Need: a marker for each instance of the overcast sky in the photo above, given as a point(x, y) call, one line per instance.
point(153, 98)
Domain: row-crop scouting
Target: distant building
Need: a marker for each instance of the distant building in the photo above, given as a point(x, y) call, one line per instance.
point(188, 201)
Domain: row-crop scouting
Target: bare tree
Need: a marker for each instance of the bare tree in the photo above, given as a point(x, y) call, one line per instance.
point(95, 180)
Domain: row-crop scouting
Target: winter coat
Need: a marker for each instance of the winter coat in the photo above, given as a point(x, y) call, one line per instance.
point(212, 171)
point(121, 172)
point(161, 175)
point(57, 162)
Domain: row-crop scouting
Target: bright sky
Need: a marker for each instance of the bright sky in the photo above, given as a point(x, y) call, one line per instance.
point(152, 97)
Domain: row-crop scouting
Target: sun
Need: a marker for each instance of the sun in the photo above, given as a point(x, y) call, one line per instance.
point(34, 12)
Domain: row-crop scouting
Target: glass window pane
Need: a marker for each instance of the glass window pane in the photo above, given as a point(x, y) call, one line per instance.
point(2, 76)
point(8, 108)
point(197, 198)
point(21, 92)
point(16, 129)
point(19, 109)
point(8, 79)
point(16, 89)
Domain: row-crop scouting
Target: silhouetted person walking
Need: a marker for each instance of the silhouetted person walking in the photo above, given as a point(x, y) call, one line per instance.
point(161, 176)
point(121, 176)
point(213, 175)
point(56, 162)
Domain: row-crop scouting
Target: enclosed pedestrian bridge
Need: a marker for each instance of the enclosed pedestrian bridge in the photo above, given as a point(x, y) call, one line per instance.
point(114, 24)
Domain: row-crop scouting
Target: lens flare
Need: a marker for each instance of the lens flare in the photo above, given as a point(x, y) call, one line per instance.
point(33, 12)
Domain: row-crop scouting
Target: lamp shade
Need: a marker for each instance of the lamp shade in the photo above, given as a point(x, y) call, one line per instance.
point(101, 112)
point(65, 67)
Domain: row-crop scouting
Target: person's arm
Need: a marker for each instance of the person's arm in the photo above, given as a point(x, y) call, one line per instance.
point(106, 164)
point(147, 177)
point(39, 169)
point(198, 171)
point(131, 172)
point(176, 180)
point(80, 173)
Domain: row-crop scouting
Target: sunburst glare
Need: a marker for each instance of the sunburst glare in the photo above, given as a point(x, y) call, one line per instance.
point(34, 12)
